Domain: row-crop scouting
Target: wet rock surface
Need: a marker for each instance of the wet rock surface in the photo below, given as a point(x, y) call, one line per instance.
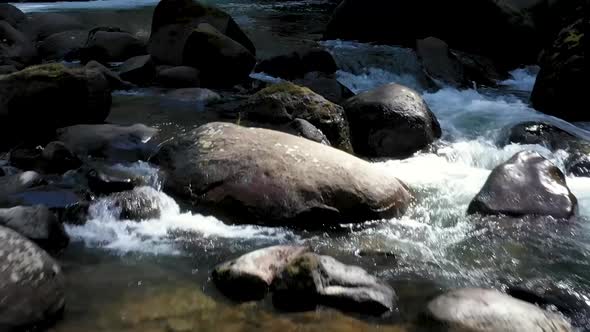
point(38, 224)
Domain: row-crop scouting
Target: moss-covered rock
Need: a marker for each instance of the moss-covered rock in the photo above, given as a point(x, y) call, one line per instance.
point(40, 99)
point(285, 102)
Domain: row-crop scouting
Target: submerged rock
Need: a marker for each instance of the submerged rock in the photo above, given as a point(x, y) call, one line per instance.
point(32, 287)
point(390, 121)
point(485, 310)
point(128, 143)
point(267, 177)
point(284, 102)
point(36, 223)
point(249, 277)
point(42, 98)
point(527, 184)
point(311, 280)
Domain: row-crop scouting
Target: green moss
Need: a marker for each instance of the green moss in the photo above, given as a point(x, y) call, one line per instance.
point(286, 87)
point(574, 37)
point(52, 70)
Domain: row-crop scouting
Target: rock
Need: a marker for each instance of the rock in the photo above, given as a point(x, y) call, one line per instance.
point(527, 184)
point(390, 121)
point(64, 45)
point(11, 14)
point(305, 129)
point(561, 85)
point(103, 182)
point(59, 158)
point(311, 279)
point(173, 22)
point(266, 177)
point(113, 142)
point(439, 63)
point(36, 223)
point(194, 95)
point(142, 203)
point(284, 102)
point(140, 70)
point(554, 139)
point(42, 25)
point(7, 69)
point(12, 184)
point(483, 310)
point(41, 98)
point(298, 63)
point(499, 29)
point(15, 46)
point(115, 81)
point(111, 45)
point(249, 277)
point(179, 77)
point(222, 62)
point(550, 296)
point(326, 86)
point(32, 287)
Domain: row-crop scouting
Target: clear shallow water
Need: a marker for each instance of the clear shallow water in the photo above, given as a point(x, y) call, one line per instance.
point(123, 275)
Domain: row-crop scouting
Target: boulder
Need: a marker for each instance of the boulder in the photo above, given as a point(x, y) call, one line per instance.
point(284, 102)
point(500, 29)
point(310, 280)
point(249, 277)
point(140, 70)
point(36, 223)
point(297, 64)
point(439, 63)
point(104, 181)
point(39, 99)
point(42, 25)
point(527, 184)
point(55, 158)
point(114, 142)
point(32, 286)
point(15, 47)
point(142, 203)
point(11, 14)
point(260, 176)
point(12, 184)
point(305, 129)
point(326, 85)
point(221, 60)
point(115, 81)
point(174, 20)
point(391, 121)
point(111, 45)
point(199, 96)
point(178, 77)
point(562, 82)
point(64, 45)
point(486, 310)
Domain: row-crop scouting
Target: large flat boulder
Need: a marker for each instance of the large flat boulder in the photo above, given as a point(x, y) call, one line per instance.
point(253, 175)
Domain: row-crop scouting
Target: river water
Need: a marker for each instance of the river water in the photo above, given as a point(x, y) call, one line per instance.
point(153, 275)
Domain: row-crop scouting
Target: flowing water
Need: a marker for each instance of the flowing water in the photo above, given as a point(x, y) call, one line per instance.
point(153, 275)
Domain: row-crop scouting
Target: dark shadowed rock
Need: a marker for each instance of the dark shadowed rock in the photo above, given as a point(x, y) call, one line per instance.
point(174, 20)
point(32, 287)
point(305, 129)
point(178, 77)
point(221, 60)
point(298, 63)
point(11, 14)
point(129, 143)
point(326, 85)
point(59, 158)
point(19, 182)
point(249, 277)
point(140, 70)
point(485, 310)
point(15, 46)
point(42, 25)
point(36, 223)
point(267, 177)
point(104, 182)
point(562, 84)
point(284, 102)
point(142, 203)
point(439, 63)
point(311, 280)
point(198, 96)
point(527, 184)
point(111, 45)
point(390, 121)
point(64, 45)
point(115, 81)
point(40, 99)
